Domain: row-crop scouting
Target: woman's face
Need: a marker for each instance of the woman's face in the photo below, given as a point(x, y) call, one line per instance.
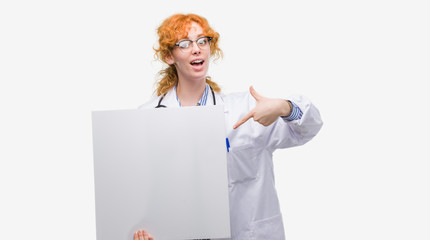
point(191, 65)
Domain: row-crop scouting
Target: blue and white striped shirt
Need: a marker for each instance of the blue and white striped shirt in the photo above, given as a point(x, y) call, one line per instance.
point(203, 99)
point(296, 113)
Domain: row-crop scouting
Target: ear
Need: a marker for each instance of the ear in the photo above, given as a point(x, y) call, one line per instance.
point(169, 59)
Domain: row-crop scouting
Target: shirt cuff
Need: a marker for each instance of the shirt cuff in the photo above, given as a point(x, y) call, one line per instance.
point(295, 114)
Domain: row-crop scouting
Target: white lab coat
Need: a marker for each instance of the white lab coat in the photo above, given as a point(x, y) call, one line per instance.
point(254, 205)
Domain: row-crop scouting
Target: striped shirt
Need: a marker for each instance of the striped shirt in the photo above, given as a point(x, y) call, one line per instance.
point(296, 113)
point(203, 99)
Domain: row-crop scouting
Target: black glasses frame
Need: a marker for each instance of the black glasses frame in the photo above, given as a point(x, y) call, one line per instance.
point(191, 41)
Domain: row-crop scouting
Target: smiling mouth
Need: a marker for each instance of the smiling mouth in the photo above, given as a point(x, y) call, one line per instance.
point(197, 62)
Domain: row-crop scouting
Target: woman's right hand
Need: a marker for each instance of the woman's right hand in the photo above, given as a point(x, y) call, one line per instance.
point(142, 235)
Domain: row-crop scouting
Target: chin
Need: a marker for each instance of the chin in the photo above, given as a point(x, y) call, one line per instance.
point(199, 76)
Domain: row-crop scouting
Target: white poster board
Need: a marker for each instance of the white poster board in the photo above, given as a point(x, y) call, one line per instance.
point(162, 170)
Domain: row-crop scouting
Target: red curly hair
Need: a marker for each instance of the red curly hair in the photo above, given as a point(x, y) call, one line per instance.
point(169, 33)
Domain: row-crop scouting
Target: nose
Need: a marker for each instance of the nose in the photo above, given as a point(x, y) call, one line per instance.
point(196, 48)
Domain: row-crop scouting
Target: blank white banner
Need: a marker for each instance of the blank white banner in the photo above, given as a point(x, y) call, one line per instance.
point(162, 170)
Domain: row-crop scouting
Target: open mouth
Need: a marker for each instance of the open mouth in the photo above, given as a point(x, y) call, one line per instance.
point(197, 62)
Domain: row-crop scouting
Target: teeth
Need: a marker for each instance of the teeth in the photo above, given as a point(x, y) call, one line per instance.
point(197, 61)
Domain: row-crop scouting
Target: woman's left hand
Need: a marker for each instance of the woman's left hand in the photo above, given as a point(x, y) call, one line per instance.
point(266, 111)
point(142, 235)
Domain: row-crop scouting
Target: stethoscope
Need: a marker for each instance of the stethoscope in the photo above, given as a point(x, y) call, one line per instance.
point(162, 97)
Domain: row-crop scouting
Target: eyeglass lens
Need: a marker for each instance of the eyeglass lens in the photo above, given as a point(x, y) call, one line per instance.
point(186, 45)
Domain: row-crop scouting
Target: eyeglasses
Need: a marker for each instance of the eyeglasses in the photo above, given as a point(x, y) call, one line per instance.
point(186, 45)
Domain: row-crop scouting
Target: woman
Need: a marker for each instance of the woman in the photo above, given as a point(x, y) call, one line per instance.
point(186, 43)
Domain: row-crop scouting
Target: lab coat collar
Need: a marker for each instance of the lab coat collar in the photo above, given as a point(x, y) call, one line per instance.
point(170, 99)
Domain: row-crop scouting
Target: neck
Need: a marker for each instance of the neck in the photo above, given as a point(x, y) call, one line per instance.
point(189, 93)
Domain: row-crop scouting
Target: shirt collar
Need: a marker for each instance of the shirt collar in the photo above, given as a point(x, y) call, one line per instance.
point(203, 99)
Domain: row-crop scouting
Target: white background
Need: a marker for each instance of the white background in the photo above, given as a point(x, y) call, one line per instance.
point(363, 63)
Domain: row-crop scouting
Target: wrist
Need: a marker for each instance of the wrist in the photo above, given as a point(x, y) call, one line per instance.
point(287, 108)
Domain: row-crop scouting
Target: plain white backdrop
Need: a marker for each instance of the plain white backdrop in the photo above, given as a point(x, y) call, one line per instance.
point(364, 64)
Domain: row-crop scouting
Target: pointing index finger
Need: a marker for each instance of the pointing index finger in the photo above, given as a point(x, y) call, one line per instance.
point(243, 120)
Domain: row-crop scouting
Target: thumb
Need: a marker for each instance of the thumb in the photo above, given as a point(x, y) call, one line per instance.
point(254, 93)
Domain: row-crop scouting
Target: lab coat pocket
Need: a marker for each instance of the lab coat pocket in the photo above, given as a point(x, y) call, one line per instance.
point(242, 164)
point(269, 228)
